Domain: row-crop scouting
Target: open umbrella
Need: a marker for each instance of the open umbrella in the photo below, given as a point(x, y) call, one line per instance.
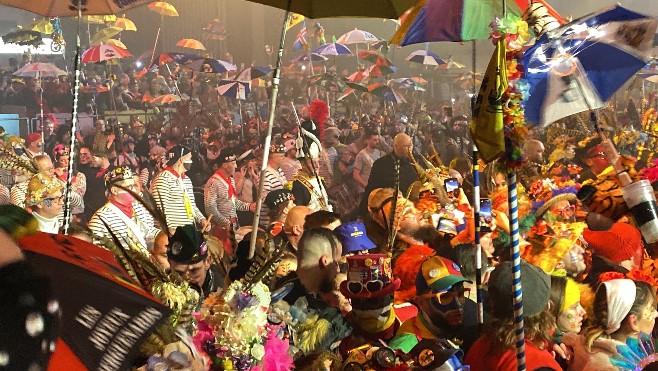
point(191, 44)
point(105, 34)
point(377, 70)
point(582, 64)
point(43, 26)
point(357, 86)
point(234, 89)
point(101, 53)
point(115, 42)
point(99, 19)
point(38, 70)
point(125, 24)
point(251, 73)
point(163, 8)
point(375, 57)
point(68, 8)
point(332, 49)
point(359, 75)
point(328, 81)
point(426, 58)
point(165, 99)
point(180, 58)
point(309, 57)
point(407, 83)
point(387, 93)
point(105, 315)
point(357, 36)
point(209, 65)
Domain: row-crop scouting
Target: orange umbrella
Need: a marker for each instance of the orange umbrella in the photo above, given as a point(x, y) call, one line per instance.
point(125, 24)
point(191, 44)
point(165, 99)
point(163, 8)
point(115, 42)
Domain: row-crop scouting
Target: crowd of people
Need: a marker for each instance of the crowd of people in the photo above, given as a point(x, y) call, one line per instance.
point(366, 239)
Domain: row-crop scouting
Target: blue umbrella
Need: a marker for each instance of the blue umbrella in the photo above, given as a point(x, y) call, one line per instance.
point(210, 65)
point(332, 49)
point(425, 57)
point(309, 57)
point(234, 89)
point(582, 64)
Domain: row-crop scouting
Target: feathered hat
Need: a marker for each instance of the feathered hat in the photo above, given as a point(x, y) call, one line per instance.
point(319, 112)
point(549, 245)
point(547, 192)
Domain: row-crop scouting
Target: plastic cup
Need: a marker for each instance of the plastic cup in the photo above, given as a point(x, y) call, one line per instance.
point(641, 200)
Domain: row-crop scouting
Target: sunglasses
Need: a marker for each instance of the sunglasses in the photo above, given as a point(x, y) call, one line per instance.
point(447, 297)
point(567, 210)
point(357, 287)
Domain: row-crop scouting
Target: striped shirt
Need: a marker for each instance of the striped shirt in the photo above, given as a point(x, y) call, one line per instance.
point(274, 179)
point(4, 195)
point(290, 168)
point(171, 193)
point(143, 228)
point(18, 196)
point(219, 205)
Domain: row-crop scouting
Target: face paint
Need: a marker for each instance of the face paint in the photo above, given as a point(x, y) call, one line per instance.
point(571, 318)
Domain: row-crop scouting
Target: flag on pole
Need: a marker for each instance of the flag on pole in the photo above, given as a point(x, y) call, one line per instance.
point(301, 41)
point(487, 124)
point(293, 20)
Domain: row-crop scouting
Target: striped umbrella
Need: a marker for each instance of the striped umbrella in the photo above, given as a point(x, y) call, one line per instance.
point(234, 89)
point(357, 36)
point(251, 73)
point(332, 49)
point(375, 57)
point(309, 57)
point(101, 53)
point(180, 58)
point(425, 57)
point(38, 70)
point(209, 65)
point(407, 83)
point(387, 93)
point(377, 70)
point(359, 75)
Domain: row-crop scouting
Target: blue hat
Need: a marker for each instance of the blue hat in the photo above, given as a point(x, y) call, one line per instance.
point(353, 237)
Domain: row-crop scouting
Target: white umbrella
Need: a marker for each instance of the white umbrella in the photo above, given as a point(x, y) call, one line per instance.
point(357, 36)
point(38, 70)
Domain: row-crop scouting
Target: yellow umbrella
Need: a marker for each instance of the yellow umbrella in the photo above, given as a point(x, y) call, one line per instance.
point(191, 44)
point(105, 34)
point(115, 42)
point(125, 24)
point(99, 19)
point(42, 26)
point(163, 8)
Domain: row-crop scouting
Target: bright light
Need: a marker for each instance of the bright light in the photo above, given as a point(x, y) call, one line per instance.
point(303, 67)
point(138, 64)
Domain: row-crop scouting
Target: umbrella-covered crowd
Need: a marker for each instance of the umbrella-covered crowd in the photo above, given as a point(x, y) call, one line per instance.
point(368, 234)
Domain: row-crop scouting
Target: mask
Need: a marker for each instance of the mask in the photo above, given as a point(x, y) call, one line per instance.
point(187, 165)
point(125, 198)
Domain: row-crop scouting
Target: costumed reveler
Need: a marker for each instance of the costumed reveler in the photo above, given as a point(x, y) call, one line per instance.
point(127, 218)
point(307, 187)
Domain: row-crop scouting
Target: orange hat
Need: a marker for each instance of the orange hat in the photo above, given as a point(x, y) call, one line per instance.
point(617, 244)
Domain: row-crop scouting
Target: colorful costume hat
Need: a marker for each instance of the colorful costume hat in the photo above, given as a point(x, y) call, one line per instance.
point(119, 174)
point(546, 193)
point(187, 245)
point(369, 276)
point(549, 245)
point(40, 187)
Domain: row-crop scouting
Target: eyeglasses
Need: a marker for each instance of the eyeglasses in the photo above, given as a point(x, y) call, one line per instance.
point(566, 211)
point(48, 201)
point(447, 297)
point(357, 287)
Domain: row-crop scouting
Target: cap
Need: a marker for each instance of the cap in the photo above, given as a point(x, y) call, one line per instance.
point(187, 245)
point(353, 237)
point(369, 276)
point(277, 197)
point(225, 155)
point(536, 289)
point(118, 174)
point(32, 137)
point(617, 244)
point(246, 156)
point(175, 153)
point(438, 274)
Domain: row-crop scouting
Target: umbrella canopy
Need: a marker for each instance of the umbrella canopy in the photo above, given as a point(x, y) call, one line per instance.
point(357, 36)
point(387, 93)
point(163, 8)
point(328, 81)
point(165, 99)
point(115, 42)
point(332, 49)
point(359, 75)
point(210, 65)
point(425, 57)
point(191, 44)
point(39, 70)
point(99, 19)
point(377, 70)
point(582, 64)
point(180, 58)
point(105, 315)
point(309, 57)
point(125, 24)
point(389, 9)
point(375, 57)
point(450, 20)
point(234, 89)
point(407, 83)
point(43, 26)
point(347, 93)
point(61, 8)
point(251, 73)
point(105, 34)
point(101, 53)
point(357, 86)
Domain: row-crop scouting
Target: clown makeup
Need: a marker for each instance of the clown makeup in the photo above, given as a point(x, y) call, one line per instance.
point(447, 308)
point(571, 319)
point(647, 317)
point(574, 260)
